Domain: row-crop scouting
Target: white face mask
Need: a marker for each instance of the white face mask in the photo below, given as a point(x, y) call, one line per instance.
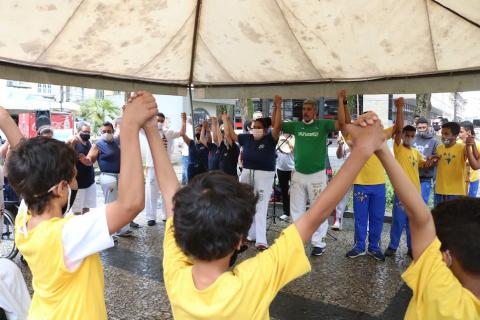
point(159, 125)
point(309, 122)
point(107, 137)
point(257, 133)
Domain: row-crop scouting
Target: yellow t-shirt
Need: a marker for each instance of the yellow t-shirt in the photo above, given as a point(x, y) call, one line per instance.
point(59, 293)
point(437, 293)
point(451, 170)
point(474, 176)
point(410, 159)
point(243, 293)
point(373, 172)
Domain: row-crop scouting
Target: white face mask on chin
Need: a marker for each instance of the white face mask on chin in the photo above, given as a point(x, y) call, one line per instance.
point(308, 122)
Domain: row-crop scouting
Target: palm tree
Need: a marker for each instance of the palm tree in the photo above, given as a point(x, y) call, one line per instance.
point(97, 112)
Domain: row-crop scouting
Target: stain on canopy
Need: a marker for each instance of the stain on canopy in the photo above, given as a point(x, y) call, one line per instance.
point(244, 47)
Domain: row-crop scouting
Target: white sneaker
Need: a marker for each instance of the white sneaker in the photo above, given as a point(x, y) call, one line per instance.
point(284, 217)
point(337, 226)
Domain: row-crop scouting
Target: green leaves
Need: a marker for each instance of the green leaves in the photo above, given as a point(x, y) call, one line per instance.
point(98, 111)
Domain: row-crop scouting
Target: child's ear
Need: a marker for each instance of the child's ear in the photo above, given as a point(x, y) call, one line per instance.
point(239, 245)
point(447, 257)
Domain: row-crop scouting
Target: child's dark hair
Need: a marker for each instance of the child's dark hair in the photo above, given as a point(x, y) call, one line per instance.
point(468, 126)
point(409, 128)
point(453, 126)
point(212, 214)
point(36, 165)
point(457, 223)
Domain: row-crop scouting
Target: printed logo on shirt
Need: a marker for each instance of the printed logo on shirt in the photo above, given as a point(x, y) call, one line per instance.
point(413, 161)
point(308, 134)
point(448, 157)
point(262, 146)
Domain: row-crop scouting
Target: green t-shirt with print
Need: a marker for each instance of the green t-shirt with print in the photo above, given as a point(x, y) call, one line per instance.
point(310, 143)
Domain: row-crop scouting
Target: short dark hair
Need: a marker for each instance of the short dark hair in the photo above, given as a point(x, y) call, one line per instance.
point(409, 128)
point(453, 126)
point(35, 165)
point(457, 223)
point(161, 115)
point(212, 214)
point(107, 124)
point(468, 125)
point(265, 123)
point(422, 120)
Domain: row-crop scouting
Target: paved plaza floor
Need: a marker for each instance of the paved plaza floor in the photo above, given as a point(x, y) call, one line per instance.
point(337, 287)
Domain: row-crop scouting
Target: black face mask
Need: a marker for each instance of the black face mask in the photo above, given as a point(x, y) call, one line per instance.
point(85, 136)
point(72, 200)
point(197, 136)
point(437, 127)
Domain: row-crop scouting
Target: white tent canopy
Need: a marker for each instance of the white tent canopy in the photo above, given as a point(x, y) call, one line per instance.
point(244, 47)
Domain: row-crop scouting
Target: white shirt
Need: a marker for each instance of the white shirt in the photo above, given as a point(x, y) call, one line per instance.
point(170, 135)
point(285, 161)
point(189, 132)
point(82, 235)
point(14, 297)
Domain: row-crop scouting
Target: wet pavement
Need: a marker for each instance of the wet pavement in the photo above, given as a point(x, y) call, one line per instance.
point(337, 287)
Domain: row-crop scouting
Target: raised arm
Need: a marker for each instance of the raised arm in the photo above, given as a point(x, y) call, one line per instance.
point(204, 133)
point(340, 151)
point(422, 228)
point(365, 141)
point(183, 130)
point(277, 121)
point(10, 128)
point(216, 134)
point(342, 111)
point(397, 131)
point(166, 177)
point(230, 134)
point(131, 191)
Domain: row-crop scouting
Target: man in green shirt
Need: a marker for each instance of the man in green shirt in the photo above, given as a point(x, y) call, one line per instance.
point(309, 177)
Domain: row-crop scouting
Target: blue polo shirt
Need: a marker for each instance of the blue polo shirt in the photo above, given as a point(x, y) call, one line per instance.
point(258, 155)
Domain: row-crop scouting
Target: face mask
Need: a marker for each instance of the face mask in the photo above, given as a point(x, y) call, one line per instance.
point(85, 136)
point(257, 133)
point(72, 194)
point(159, 125)
point(107, 137)
point(197, 135)
point(437, 127)
point(407, 142)
point(70, 198)
point(446, 141)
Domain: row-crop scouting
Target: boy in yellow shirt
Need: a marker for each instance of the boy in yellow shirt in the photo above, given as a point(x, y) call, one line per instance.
point(62, 252)
point(467, 131)
point(207, 221)
point(451, 168)
point(410, 159)
point(445, 273)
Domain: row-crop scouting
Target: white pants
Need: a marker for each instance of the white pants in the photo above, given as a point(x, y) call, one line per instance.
point(303, 187)
point(14, 297)
point(109, 184)
point(262, 182)
point(340, 209)
point(86, 198)
point(151, 196)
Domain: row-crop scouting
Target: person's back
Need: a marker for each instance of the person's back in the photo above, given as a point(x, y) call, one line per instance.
point(441, 278)
point(56, 288)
